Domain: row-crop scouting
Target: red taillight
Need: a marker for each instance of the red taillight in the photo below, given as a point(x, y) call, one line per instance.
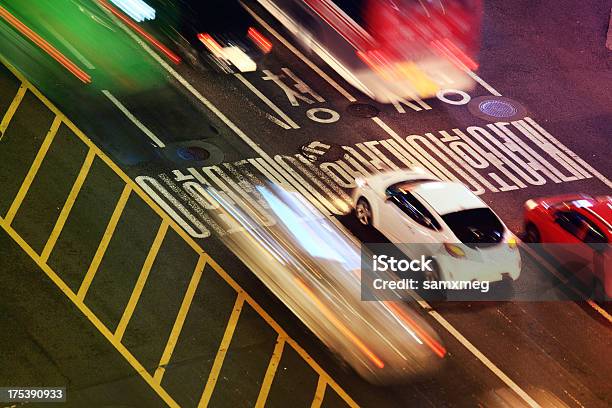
point(262, 42)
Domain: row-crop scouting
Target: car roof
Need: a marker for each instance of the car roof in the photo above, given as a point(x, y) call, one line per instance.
point(598, 209)
point(381, 181)
point(447, 197)
point(603, 209)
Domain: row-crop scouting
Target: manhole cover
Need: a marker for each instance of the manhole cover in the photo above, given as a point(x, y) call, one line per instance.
point(496, 108)
point(363, 110)
point(193, 153)
point(499, 109)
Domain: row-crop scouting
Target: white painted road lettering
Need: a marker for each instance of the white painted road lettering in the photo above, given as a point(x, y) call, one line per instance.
point(496, 158)
point(291, 94)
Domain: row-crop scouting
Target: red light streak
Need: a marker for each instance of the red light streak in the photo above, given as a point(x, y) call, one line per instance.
point(261, 41)
point(328, 313)
point(211, 44)
point(427, 339)
point(44, 45)
point(172, 56)
point(462, 56)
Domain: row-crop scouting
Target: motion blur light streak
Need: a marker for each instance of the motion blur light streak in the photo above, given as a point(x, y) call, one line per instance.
point(137, 9)
point(455, 56)
point(309, 238)
point(380, 344)
point(461, 55)
point(212, 45)
point(261, 41)
point(343, 25)
point(172, 56)
point(340, 326)
point(439, 349)
point(52, 51)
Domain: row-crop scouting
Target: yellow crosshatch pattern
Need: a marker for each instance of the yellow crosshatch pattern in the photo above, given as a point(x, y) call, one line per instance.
point(79, 297)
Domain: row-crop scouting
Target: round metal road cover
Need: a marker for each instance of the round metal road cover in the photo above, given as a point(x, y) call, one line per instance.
point(193, 153)
point(496, 108)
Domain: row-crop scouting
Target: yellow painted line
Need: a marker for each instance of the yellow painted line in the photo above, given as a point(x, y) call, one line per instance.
point(305, 356)
point(12, 108)
point(125, 353)
point(74, 192)
point(600, 310)
point(319, 394)
point(108, 234)
point(270, 372)
point(29, 178)
point(223, 347)
point(186, 237)
point(180, 320)
point(142, 280)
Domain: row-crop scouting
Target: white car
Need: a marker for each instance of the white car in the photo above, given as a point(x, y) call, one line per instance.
point(439, 219)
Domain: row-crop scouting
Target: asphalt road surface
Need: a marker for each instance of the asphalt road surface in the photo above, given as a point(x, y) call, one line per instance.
point(117, 286)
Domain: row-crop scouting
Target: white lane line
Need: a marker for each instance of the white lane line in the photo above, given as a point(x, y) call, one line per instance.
point(480, 356)
point(482, 82)
point(441, 320)
point(277, 121)
point(301, 56)
point(267, 101)
point(570, 153)
point(133, 118)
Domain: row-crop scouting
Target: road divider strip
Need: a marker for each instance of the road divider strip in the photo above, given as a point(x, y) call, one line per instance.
point(166, 223)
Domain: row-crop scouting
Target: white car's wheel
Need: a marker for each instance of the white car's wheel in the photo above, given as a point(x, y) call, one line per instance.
point(532, 235)
point(363, 211)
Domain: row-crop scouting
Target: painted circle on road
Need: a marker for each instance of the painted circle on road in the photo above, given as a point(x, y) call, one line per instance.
point(445, 96)
point(496, 108)
point(332, 115)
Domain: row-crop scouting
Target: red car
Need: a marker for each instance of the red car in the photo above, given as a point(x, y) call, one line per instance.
point(581, 223)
